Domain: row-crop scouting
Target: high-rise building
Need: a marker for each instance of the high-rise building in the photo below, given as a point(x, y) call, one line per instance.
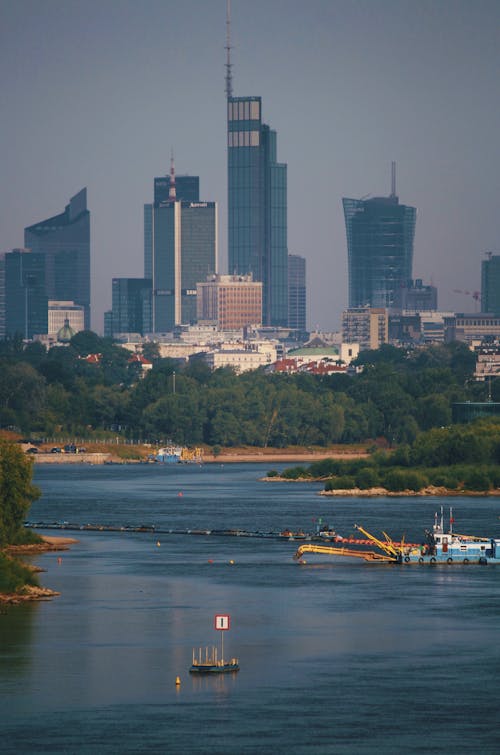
point(257, 206)
point(131, 306)
point(65, 242)
point(380, 234)
point(231, 302)
point(180, 250)
point(366, 326)
point(26, 304)
point(297, 292)
point(490, 284)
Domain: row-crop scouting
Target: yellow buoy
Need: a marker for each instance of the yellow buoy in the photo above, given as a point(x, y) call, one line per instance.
point(158, 543)
point(177, 681)
point(231, 562)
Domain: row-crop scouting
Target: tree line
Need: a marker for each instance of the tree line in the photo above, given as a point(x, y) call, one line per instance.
point(459, 458)
point(398, 394)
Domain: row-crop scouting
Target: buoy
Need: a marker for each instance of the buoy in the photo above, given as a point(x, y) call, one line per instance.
point(231, 562)
point(177, 681)
point(180, 494)
point(59, 560)
point(210, 561)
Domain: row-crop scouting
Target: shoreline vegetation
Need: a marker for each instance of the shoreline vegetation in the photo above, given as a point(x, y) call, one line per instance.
point(29, 590)
point(461, 460)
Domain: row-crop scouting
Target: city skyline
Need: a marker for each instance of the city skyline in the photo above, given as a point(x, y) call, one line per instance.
point(348, 86)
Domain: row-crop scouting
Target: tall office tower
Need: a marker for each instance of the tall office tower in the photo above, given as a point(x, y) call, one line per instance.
point(490, 284)
point(380, 234)
point(231, 302)
point(65, 242)
point(297, 292)
point(26, 303)
point(131, 303)
point(2, 296)
point(257, 206)
point(180, 249)
point(257, 200)
point(187, 189)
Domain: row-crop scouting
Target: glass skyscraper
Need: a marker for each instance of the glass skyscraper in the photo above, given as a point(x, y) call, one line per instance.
point(131, 306)
point(297, 292)
point(26, 303)
point(490, 284)
point(380, 234)
point(180, 250)
point(65, 242)
point(257, 206)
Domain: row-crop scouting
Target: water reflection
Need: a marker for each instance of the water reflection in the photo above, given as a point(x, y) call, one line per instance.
point(16, 636)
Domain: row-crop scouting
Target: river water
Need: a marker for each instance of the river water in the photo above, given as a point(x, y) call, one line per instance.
point(335, 657)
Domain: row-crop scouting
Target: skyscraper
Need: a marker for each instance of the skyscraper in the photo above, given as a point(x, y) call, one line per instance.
point(65, 242)
point(490, 284)
point(297, 292)
point(131, 302)
point(26, 305)
point(257, 202)
point(380, 234)
point(180, 250)
point(257, 206)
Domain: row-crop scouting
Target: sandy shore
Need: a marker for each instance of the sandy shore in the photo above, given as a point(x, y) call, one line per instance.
point(271, 455)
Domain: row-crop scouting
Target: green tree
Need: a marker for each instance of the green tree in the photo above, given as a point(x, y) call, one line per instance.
point(17, 492)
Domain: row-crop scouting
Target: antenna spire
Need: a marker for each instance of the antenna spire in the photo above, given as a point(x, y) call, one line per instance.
point(171, 191)
point(393, 179)
point(229, 75)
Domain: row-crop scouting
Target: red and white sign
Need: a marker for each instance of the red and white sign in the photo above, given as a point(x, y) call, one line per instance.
point(222, 621)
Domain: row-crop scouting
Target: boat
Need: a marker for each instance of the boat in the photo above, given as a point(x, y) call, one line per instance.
point(210, 664)
point(439, 547)
point(449, 547)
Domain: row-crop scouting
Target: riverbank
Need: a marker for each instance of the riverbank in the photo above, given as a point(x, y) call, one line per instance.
point(429, 491)
point(29, 593)
point(295, 455)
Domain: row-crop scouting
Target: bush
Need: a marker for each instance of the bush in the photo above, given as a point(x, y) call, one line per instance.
point(343, 482)
point(398, 480)
point(477, 478)
point(273, 473)
point(367, 478)
point(14, 575)
point(294, 473)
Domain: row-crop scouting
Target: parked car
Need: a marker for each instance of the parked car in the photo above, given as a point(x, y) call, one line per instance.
point(32, 451)
point(56, 450)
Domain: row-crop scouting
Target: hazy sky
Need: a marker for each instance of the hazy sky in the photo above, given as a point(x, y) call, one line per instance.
point(96, 93)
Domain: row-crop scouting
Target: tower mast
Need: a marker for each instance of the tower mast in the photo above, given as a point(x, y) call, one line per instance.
point(393, 179)
point(172, 195)
point(229, 75)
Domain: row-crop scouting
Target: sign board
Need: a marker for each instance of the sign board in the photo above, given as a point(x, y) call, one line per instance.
point(222, 621)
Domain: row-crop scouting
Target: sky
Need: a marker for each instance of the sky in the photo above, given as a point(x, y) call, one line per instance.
point(97, 93)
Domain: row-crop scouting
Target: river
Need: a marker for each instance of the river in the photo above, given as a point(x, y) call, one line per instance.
point(335, 657)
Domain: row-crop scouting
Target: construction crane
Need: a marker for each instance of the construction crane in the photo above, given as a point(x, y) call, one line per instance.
point(476, 295)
